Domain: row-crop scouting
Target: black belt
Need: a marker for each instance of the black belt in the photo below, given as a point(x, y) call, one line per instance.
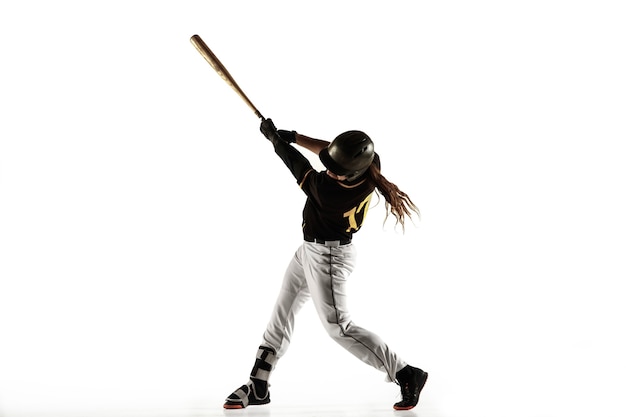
point(328, 242)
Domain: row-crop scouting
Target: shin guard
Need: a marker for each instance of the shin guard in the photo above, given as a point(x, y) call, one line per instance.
point(263, 366)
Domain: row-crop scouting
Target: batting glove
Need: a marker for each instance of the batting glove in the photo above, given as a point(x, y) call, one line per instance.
point(288, 136)
point(269, 130)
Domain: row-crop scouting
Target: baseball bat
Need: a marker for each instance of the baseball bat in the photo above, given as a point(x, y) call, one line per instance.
point(222, 71)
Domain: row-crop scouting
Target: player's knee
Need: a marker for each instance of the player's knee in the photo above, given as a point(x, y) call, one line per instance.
point(337, 330)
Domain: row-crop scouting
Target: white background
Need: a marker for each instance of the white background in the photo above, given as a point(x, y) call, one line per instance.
point(145, 223)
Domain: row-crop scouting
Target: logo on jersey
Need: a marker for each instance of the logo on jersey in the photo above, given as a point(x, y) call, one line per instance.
point(356, 216)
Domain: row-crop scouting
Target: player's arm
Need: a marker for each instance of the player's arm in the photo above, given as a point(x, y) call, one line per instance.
point(312, 144)
point(297, 163)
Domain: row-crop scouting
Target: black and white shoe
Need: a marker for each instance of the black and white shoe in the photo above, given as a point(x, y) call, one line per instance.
point(411, 381)
point(249, 394)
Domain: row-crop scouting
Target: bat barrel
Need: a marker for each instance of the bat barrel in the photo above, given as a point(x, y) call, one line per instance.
point(221, 70)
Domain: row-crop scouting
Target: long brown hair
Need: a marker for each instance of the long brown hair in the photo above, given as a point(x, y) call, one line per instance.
point(397, 202)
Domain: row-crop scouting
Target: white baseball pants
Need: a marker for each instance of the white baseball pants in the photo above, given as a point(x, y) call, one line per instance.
point(320, 272)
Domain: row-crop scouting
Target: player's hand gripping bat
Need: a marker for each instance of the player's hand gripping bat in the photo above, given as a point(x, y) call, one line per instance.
point(222, 71)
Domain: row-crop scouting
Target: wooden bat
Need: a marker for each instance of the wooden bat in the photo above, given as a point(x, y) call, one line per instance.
point(222, 71)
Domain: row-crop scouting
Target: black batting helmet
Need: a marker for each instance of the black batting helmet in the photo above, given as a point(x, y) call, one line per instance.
point(350, 154)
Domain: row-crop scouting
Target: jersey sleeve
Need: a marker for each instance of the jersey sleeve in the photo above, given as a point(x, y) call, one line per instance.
point(297, 163)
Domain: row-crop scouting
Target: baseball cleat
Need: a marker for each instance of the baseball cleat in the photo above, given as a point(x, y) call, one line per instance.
point(411, 382)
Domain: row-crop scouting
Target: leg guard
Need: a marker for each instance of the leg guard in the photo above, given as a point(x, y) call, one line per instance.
point(256, 391)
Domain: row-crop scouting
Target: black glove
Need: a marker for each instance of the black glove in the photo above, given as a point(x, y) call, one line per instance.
point(269, 130)
point(288, 136)
point(272, 134)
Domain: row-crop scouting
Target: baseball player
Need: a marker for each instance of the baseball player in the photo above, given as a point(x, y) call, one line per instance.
point(336, 205)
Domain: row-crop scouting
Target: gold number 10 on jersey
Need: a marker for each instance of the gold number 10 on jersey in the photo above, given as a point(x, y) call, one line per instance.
point(356, 216)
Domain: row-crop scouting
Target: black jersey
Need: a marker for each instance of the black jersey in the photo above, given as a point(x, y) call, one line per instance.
point(334, 210)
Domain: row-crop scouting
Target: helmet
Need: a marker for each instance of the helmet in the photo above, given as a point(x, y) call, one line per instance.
point(350, 154)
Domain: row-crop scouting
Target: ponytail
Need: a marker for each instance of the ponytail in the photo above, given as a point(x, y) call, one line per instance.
point(397, 202)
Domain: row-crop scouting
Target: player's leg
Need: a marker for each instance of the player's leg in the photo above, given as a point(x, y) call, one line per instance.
point(327, 270)
point(294, 293)
point(276, 338)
